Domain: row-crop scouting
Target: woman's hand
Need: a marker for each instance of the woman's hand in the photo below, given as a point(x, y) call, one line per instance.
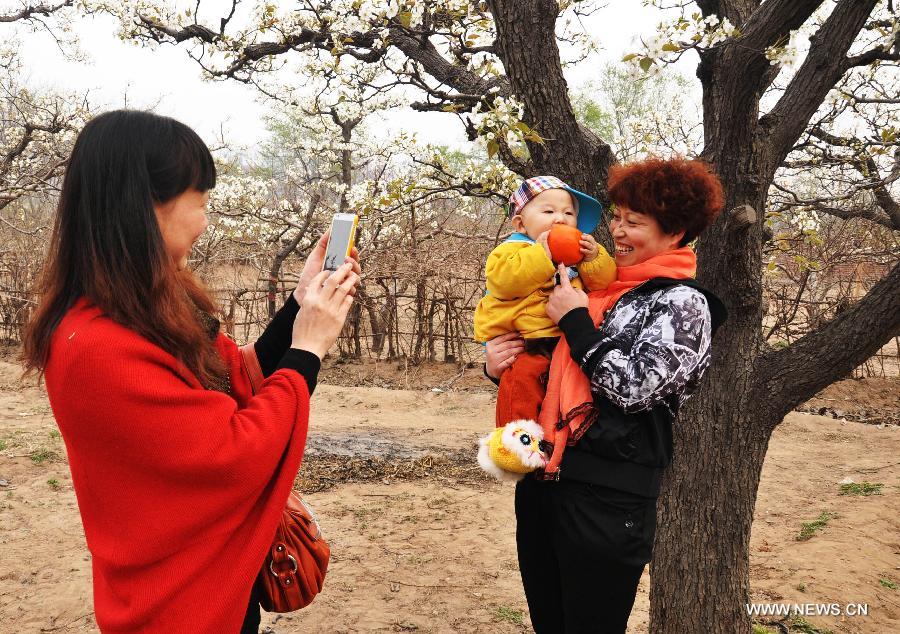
point(501, 351)
point(324, 309)
point(565, 297)
point(314, 263)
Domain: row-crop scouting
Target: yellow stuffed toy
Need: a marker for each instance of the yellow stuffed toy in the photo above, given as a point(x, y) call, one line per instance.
point(511, 451)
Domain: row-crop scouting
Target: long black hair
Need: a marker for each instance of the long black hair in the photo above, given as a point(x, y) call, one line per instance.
point(106, 243)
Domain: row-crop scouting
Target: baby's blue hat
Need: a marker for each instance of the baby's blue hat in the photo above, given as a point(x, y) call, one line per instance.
point(589, 208)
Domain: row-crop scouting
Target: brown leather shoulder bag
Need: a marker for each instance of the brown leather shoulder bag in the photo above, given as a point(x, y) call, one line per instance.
point(294, 569)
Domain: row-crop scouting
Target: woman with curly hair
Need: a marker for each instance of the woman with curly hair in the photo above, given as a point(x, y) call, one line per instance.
point(630, 356)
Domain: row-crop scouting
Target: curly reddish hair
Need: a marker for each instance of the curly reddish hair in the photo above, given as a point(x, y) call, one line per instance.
point(678, 193)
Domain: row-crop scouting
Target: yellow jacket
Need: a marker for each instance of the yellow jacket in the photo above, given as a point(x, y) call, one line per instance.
point(519, 282)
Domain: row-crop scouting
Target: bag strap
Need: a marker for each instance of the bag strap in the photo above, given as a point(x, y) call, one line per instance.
point(251, 366)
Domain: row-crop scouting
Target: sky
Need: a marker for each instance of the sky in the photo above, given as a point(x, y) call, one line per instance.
point(120, 73)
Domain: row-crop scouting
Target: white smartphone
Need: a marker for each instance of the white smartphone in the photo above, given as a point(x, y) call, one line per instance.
point(340, 240)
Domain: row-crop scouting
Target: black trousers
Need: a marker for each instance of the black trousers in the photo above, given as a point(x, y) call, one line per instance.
point(253, 617)
point(582, 549)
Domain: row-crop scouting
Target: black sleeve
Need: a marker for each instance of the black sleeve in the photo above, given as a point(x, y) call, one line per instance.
point(304, 362)
point(582, 336)
point(276, 338)
point(493, 380)
point(666, 358)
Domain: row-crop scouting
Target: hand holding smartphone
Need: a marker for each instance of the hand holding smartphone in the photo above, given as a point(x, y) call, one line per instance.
point(340, 240)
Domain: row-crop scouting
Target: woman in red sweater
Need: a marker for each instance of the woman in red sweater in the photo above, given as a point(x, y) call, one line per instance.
point(181, 473)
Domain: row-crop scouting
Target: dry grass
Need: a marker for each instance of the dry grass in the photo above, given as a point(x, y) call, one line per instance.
point(320, 473)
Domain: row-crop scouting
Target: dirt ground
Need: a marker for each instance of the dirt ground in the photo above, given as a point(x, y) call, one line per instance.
point(421, 541)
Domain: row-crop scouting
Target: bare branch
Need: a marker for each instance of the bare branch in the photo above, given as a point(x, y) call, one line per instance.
point(823, 67)
point(827, 205)
point(866, 58)
point(872, 214)
point(789, 376)
point(866, 166)
point(29, 11)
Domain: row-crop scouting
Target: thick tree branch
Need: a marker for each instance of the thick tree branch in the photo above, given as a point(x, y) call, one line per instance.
point(823, 67)
point(457, 77)
point(827, 205)
point(526, 41)
point(252, 53)
point(866, 58)
point(153, 28)
point(470, 86)
point(359, 45)
point(761, 26)
point(868, 169)
point(286, 250)
point(792, 375)
point(737, 11)
point(882, 52)
point(39, 9)
point(774, 20)
point(872, 214)
point(526, 44)
point(27, 137)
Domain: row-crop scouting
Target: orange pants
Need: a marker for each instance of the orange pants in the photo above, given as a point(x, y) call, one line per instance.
point(522, 388)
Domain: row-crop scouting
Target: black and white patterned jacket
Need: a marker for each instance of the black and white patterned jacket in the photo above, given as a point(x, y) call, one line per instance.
point(647, 357)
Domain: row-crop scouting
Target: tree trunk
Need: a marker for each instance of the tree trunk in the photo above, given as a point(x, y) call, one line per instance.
point(526, 43)
point(356, 321)
point(429, 320)
point(700, 565)
point(418, 325)
point(375, 323)
point(275, 274)
point(700, 571)
point(706, 503)
point(347, 128)
point(284, 252)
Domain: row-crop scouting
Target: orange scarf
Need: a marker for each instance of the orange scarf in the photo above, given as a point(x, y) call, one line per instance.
point(568, 408)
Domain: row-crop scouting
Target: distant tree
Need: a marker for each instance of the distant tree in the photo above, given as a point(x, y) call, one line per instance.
point(37, 128)
point(623, 107)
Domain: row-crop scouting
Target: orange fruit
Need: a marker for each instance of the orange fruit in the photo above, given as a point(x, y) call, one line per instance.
point(563, 242)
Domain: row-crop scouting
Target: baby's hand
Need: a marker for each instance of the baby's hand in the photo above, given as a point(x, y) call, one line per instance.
point(542, 240)
point(589, 247)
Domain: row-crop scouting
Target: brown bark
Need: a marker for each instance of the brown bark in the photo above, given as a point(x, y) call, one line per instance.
point(824, 65)
point(700, 569)
point(526, 44)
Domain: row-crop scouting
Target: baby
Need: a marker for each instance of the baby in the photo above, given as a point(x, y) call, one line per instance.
point(520, 277)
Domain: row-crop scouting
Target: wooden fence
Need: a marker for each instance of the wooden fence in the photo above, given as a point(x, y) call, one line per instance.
point(418, 319)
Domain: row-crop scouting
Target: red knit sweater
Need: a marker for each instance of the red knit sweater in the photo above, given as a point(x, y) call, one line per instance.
point(180, 488)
